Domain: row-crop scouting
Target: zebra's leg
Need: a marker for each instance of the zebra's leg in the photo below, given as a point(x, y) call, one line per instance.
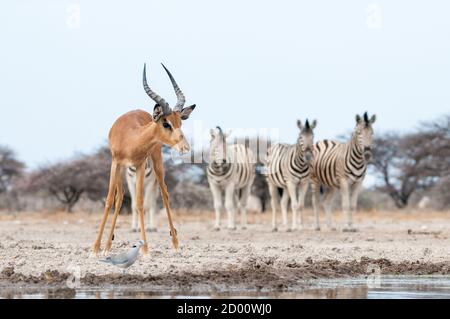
point(327, 205)
point(292, 190)
point(245, 192)
point(131, 183)
point(284, 203)
point(274, 197)
point(345, 197)
point(315, 203)
point(217, 198)
point(150, 205)
point(134, 215)
point(230, 207)
point(354, 201)
point(301, 201)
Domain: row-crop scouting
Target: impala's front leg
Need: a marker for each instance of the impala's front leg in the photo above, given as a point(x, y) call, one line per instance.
point(140, 175)
point(158, 167)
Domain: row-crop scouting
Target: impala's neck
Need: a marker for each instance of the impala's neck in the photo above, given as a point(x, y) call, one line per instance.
point(150, 136)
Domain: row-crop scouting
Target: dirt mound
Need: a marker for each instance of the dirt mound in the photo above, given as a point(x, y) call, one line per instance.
point(260, 273)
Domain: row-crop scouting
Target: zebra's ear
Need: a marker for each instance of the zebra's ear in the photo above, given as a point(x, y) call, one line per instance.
point(358, 119)
point(373, 119)
point(211, 132)
point(299, 124)
point(313, 124)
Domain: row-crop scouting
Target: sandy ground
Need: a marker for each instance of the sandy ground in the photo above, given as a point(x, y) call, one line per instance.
point(50, 248)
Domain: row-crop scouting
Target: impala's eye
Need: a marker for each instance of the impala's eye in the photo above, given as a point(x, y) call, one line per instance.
point(166, 125)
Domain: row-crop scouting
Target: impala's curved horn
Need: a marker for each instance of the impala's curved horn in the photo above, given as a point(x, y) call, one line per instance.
point(155, 97)
point(180, 96)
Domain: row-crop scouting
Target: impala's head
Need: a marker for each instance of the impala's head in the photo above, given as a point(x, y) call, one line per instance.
point(306, 137)
point(218, 146)
point(363, 134)
point(168, 119)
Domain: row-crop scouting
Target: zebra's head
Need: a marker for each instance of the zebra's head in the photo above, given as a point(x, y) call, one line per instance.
point(363, 134)
point(218, 146)
point(306, 138)
point(168, 120)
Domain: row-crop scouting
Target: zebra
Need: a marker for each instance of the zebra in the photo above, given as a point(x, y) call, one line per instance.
point(341, 166)
point(151, 193)
point(231, 170)
point(287, 167)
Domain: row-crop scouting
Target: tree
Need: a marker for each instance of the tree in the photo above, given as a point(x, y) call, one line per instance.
point(414, 161)
point(10, 168)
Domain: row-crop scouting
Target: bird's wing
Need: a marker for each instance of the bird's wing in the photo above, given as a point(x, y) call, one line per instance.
point(125, 257)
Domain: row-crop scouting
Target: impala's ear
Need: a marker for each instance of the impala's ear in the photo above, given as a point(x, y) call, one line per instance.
point(186, 112)
point(157, 112)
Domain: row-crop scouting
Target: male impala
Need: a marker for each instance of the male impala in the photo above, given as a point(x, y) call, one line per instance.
point(134, 137)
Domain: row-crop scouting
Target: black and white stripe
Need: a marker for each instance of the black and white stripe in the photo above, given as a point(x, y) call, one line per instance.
point(341, 166)
point(287, 167)
point(231, 170)
point(151, 193)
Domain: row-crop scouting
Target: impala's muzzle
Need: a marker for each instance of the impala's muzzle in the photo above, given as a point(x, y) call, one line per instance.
point(182, 146)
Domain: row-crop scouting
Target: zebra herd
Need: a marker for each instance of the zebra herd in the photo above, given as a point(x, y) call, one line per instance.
point(328, 166)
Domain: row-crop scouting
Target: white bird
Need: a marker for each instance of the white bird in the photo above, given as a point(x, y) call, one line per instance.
point(125, 259)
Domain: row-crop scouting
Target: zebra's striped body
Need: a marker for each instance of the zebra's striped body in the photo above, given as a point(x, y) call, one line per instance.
point(287, 167)
point(341, 166)
point(151, 193)
point(232, 171)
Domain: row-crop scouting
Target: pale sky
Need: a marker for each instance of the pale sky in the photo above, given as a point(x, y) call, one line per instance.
point(246, 64)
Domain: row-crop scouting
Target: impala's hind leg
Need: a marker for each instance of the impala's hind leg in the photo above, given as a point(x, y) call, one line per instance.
point(117, 206)
point(108, 205)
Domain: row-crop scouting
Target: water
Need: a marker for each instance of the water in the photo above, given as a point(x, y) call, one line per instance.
point(398, 287)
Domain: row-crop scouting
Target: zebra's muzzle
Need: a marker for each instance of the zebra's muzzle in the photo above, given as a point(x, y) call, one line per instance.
point(367, 153)
point(308, 155)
